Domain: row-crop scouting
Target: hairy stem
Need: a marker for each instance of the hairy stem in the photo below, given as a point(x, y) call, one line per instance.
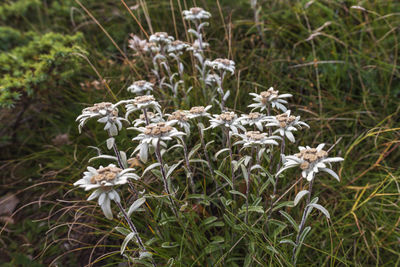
point(228, 139)
point(134, 230)
point(164, 176)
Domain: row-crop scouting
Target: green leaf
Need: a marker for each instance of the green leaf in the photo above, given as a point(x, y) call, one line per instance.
point(290, 219)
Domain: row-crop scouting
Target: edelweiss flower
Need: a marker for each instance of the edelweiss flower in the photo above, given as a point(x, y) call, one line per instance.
point(161, 38)
point(199, 111)
point(228, 120)
point(196, 14)
point(140, 87)
point(311, 161)
point(177, 47)
point(108, 113)
point(138, 44)
point(142, 102)
point(152, 134)
point(286, 123)
point(222, 64)
point(152, 117)
point(103, 180)
point(269, 97)
point(253, 118)
point(181, 118)
point(195, 47)
point(255, 138)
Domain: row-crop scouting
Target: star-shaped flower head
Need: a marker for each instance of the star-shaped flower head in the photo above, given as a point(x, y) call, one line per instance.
point(311, 161)
point(140, 87)
point(104, 179)
point(227, 120)
point(199, 111)
point(181, 119)
point(152, 117)
point(177, 47)
point(138, 45)
point(196, 14)
point(222, 64)
point(154, 134)
point(108, 114)
point(254, 118)
point(286, 124)
point(161, 38)
point(213, 79)
point(256, 139)
point(142, 102)
point(270, 97)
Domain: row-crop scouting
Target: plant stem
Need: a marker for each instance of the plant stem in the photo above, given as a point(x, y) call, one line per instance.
point(302, 223)
point(133, 229)
point(164, 176)
point(145, 116)
point(228, 139)
point(248, 190)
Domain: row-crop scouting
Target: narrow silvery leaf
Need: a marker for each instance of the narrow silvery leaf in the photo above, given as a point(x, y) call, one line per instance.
point(227, 95)
point(123, 230)
point(290, 219)
point(321, 208)
point(103, 157)
point(126, 241)
point(110, 142)
point(173, 167)
point(152, 166)
point(287, 241)
point(221, 151)
point(245, 173)
point(135, 205)
point(299, 196)
point(123, 158)
point(225, 178)
point(237, 193)
point(194, 150)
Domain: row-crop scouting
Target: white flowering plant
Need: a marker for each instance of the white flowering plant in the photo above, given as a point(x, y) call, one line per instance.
point(218, 166)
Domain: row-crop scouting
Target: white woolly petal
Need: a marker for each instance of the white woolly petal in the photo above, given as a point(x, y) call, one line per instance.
point(106, 207)
point(95, 194)
point(331, 173)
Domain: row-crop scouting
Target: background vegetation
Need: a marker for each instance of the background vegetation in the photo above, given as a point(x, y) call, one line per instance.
point(340, 63)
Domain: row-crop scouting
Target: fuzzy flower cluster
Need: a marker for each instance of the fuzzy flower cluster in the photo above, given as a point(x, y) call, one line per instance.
point(268, 98)
point(108, 114)
point(221, 64)
point(286, 124)
point(153, 135)
point(104, 179)
point(140, 87)
point(196, 14)
point(311, 161)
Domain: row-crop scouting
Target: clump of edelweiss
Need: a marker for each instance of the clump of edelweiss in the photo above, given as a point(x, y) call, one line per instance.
point(286, 123)
point(161, 38)
point(227, 120)
point(311, 161)
point(151, 116)
point(138, 45)
point(256, 138)
point(155, 134)
point(196, 14)
point(268, 98)
point(199, 111)
point(222, 64)
point(254, 119)
point(181, 119)
point(108, 113)
point(103, 180)
point(140, 87)
point(142, 102)
point(177, 47)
